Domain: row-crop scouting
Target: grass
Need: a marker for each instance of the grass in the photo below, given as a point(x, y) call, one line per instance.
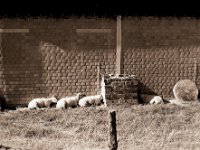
point(139, 127)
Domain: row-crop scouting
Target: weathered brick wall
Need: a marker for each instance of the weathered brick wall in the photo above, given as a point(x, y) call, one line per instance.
point(58, 57)
point(55, 58)
point(161, 51)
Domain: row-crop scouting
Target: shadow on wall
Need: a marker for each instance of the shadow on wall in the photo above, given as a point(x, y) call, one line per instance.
point(145, 94)
point(23, 67)
point(144, 90)
point(54, 59)
point(71, 57)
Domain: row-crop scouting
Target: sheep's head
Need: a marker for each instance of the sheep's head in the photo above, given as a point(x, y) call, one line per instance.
point(100, 101)
point(50, 100)
point(80, 95)
point(101, 98)
point(54, 99)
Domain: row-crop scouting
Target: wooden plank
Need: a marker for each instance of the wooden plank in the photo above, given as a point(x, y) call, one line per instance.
point(93, 30)
point(118, 53)
point(14, 30)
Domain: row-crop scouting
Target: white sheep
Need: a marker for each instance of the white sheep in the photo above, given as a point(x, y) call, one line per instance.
point(91, 100)
point(42, 102)
point(69, 101)
point(156, 100)
point(61, 104)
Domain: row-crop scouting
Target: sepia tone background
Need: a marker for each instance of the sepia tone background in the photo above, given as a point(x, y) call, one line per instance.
point(61, 56)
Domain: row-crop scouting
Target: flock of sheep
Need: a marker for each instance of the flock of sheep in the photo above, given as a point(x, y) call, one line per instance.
point(184, 91)
point(69, 101)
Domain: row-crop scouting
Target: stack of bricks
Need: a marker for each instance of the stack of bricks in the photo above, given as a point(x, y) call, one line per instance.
point(121, 89)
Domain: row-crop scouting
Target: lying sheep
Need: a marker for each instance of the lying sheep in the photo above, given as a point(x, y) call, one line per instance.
point(91, 100)
point(42, 102)
point(71, 101)
point(156, 100)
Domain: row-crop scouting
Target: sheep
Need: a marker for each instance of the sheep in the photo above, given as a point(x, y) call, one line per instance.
point(42, 102)
point(91, 100)
point(174, 101)
point(156, 100)
point(69, 101)
point(61, 104)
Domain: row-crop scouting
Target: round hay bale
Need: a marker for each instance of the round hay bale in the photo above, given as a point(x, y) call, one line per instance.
point(185, 90)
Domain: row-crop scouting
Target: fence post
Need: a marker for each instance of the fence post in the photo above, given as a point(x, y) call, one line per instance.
point(113, 144)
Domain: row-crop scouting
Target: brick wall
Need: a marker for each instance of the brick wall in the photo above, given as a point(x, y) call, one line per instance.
point(61, 56)
point(161, 51)
point(55, 58)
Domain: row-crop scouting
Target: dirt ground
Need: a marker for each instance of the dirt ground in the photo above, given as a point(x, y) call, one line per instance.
point(139, 127)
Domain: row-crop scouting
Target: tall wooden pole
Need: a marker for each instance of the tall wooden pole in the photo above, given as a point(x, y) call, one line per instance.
point(119, 51)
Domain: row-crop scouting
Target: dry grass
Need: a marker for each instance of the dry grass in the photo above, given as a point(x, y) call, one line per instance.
point(139, 127)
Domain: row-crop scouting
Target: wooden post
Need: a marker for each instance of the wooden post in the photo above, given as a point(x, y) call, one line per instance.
point(119, 51)
point(98, 79)
point(195, 71)
point(113, 145)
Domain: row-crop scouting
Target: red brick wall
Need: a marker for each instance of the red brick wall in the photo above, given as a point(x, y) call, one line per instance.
point(161, 51)
point(54, 59)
